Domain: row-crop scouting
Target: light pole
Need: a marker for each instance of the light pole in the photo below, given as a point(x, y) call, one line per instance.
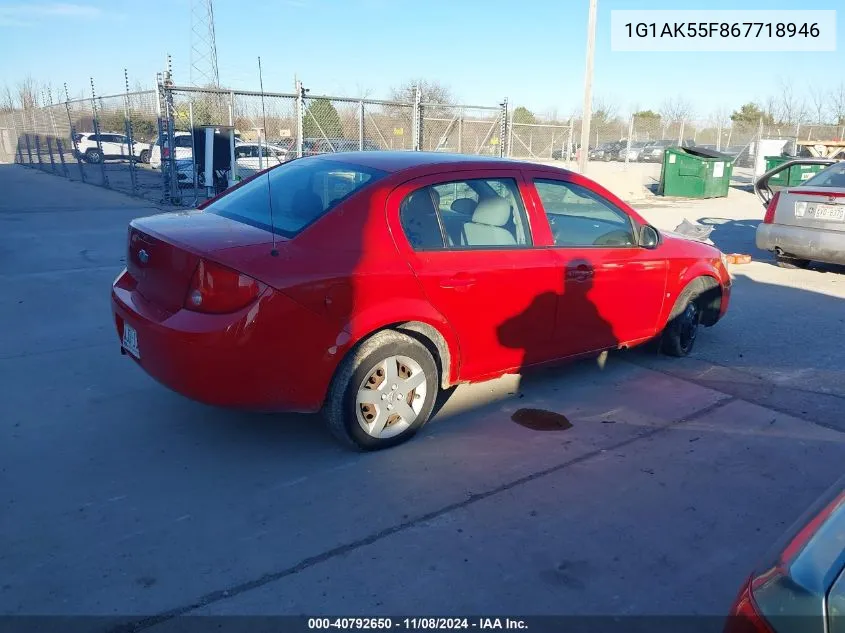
point(588, 88)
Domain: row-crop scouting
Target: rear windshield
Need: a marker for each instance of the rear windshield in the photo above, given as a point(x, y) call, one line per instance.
point(301, 191)
point(833, 176)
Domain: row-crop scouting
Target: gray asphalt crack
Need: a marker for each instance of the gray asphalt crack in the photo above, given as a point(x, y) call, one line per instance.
point(341, 550)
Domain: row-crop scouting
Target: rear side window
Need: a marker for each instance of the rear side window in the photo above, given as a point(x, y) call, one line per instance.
point(182, 141)
point(833, 176)
point(301, 191)
point(465, 214)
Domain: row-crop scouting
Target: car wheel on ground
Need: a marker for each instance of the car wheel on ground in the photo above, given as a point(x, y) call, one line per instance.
point(791, 262)
point(144, 156)
point(383, 392)
point(681, 331)
point(93, 156)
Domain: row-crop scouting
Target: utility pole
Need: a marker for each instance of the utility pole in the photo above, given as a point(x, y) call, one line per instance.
point(588, 88)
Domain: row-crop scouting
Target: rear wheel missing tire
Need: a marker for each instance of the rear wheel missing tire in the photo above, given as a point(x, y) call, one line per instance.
point(383, 392)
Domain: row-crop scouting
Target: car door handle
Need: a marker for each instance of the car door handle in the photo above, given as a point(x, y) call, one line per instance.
point(580, 273)
point(459, 281)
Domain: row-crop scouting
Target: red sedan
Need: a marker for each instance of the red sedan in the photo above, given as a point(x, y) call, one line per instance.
point(363, 283)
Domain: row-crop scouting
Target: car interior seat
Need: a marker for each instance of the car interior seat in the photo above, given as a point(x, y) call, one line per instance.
point(419, 219)
point(466, 206)
point(488, 222)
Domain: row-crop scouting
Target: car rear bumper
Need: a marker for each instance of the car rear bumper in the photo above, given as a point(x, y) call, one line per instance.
point(252, 359)
point(805, 243)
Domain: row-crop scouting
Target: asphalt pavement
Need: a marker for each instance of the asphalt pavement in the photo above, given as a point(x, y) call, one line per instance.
point(118, 497)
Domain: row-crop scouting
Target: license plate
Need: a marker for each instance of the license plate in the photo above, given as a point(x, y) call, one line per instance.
point(130, 340)
point(829, 212)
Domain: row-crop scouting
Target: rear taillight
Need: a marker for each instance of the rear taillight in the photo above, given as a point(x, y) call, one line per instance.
point(770, 210)
point(165, 152)
point(744, 616)
point(216, 289)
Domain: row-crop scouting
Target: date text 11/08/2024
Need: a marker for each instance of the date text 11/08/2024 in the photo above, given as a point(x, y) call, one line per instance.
point(427, 624)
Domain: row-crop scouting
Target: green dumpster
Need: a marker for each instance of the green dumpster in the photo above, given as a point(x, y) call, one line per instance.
point(795, 175)
point(695, 172)
point(780, 179)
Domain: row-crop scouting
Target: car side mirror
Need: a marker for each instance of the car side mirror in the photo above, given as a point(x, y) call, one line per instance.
point(649, 237)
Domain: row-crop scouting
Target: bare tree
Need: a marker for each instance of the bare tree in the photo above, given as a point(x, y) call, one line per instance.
point(605, 108)
point(818, 99)
point(792, 107)
point(837, 103)
point(551, 115)
point(721, 115)
point(362, 91)
point(27, 90)
point(7, 99)
point(770, 109)
point(676, 109)
point(432, 91)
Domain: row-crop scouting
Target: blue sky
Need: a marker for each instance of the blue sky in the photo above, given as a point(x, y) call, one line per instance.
point(531, 51)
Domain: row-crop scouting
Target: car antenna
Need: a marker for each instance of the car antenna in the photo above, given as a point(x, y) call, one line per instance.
point(273, 251)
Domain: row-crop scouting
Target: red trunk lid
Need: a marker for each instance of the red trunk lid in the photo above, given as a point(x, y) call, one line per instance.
point(164, 251)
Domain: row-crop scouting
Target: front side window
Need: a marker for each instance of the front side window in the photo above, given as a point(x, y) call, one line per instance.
point(465, 214)
point(301, 192)
point(579, 217)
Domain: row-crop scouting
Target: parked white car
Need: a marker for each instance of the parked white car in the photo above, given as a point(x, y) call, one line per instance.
point(253, 157)
point(182, 147)
point(111, 146)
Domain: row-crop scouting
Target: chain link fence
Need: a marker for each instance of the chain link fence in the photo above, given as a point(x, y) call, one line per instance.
point(541, 141)
point(103, 140)
point(462, 129)
point(143, 143)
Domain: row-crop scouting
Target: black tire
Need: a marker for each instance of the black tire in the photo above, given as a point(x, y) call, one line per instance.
point(681, 332)
point(791, 262)
point(340, 407)
point(93, 156)
point(145, 156)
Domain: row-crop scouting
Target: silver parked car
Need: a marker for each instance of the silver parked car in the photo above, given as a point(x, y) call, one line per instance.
point(806, 222)
point(653, 152)
point(633, 152)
